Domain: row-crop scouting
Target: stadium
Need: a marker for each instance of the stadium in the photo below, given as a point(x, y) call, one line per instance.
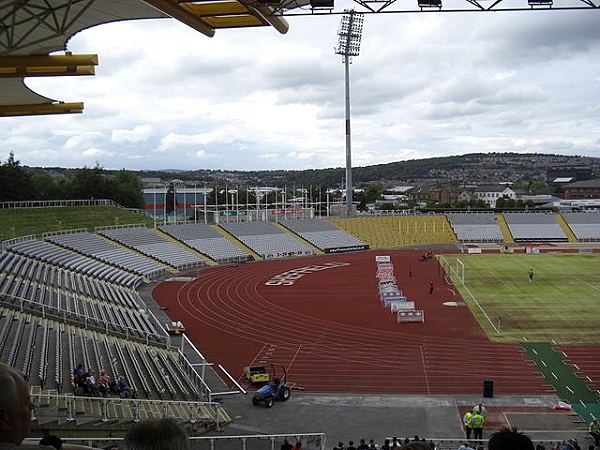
point(251, 325)
point(368, 316)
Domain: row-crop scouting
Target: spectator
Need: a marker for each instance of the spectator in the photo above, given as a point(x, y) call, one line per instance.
point(92, 386)
point(163, 434)
point(540, 446)
point(298, 445)
point(416, 445)
point(340, 446)
point(372, 445)
point(509, 439)
point(362, 445)
point(52, 441)
point(386, 445)
point(122, 388)
point(15, 407)
point(395, 442)
point(465, 446)
point(286, 445)
point(103, 383)
point(351, 446)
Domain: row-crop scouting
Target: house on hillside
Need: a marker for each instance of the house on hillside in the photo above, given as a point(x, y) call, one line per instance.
point(582, 189)
point(492, 192)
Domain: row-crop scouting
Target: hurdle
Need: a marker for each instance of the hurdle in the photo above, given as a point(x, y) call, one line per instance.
point(417, 315)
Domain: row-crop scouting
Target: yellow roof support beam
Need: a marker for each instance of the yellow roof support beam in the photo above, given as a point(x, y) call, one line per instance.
point(40, 109)
point(173, 9)
point(47, 65)
point(215, 8)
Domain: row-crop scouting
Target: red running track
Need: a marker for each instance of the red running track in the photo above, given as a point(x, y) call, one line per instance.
point(331, 331)
point(585, 361)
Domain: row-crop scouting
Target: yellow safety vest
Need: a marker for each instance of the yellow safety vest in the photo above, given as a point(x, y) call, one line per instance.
point(477, 420)
point(468, 419)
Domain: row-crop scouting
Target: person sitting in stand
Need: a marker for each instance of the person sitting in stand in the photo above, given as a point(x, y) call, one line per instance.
point(92, 386)
point(122, 388)
point(103, 383)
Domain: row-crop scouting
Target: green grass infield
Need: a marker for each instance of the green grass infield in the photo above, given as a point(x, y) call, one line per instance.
point(560, 304)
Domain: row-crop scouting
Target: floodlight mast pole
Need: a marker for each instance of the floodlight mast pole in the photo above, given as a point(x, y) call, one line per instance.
point(350, 34)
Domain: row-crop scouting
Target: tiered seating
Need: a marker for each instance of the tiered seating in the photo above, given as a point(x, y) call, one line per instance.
point(105, 251)
point(475, 227)
point(266, 239)
point(324, 235)
point(38, 286)
point(585, 225)
point(57, 256)
point(397, 231)
point(153, 372)
point(207, 241)
point(534, 227)
point(150, 244)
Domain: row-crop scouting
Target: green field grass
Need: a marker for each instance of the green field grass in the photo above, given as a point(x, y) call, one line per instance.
point(23, 221)
point(562, 304)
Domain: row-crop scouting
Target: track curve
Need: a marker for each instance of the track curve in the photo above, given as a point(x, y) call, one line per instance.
point(332, 333)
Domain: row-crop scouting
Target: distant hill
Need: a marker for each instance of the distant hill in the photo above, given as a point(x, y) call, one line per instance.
point(471, 168)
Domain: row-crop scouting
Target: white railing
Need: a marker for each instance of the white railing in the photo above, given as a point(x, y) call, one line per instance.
point(70, 408)
point(310, 441)
point(58, 203)
point(62, 232)
point(8, 243)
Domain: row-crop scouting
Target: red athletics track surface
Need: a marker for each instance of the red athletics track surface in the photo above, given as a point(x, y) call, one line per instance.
point(331, 331)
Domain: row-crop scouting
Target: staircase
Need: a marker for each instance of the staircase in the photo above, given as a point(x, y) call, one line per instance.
point(504, 229)
point(565, 227)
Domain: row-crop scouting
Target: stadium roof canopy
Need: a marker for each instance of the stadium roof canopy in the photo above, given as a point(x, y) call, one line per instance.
point(31, 31)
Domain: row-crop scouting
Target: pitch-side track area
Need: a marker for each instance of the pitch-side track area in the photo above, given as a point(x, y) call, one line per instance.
point(332, 333)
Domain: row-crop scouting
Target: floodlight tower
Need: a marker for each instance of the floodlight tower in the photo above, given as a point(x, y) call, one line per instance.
point(350, 33)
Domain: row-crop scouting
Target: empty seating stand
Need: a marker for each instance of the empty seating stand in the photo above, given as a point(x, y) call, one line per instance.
point(266, 239)
point(60, 257)
point(475, 227)
point(584, 224)
point(150, 244)
point(534, 227)
point(324, 235)
point(59, 293)
point(108, 252)
point(206, 240)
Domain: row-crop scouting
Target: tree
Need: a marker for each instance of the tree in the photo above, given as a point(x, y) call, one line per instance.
point(127, 189)
point(15, 182)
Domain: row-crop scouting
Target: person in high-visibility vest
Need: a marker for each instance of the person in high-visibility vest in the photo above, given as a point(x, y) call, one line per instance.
point(594, 430)
point(468, 423)
point(479, 408)
point(478, 421)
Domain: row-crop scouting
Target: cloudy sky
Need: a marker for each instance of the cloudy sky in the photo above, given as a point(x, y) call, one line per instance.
point(424, 85)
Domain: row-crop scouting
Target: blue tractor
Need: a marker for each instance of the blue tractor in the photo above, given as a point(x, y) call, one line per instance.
point(276, 389)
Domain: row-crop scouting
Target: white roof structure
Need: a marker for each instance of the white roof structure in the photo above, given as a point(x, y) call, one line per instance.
point(32, 29)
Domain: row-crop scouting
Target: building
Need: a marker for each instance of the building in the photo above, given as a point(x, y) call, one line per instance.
point(491, 193)
point(582, 189)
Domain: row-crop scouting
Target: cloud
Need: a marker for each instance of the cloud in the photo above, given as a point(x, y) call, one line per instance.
point(95, 152)
point(139, 133)
point(424, 85)
point(79, 141)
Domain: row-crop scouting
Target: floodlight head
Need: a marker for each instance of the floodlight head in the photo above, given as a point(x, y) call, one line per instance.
point(350, 34)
